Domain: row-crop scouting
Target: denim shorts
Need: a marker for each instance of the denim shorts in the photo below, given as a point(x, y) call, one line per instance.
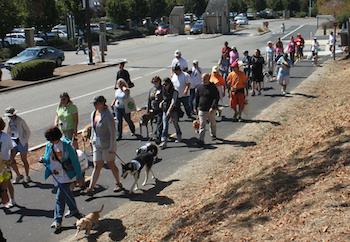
point(19, 148)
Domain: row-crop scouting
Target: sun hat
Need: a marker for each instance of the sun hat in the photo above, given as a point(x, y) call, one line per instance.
point(215, 69)
point(10, 111)
point(195, 61)
point(177, 53)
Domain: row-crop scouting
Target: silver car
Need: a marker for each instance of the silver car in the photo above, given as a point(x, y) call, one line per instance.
point(35, 53)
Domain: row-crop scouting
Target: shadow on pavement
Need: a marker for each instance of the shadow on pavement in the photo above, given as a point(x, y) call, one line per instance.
point(303, 95)
point(277, 95)
point(114, 227)
point(28, 212)
point(38, 185)
point(236, 143)
point(148, 196)
point(260, 121)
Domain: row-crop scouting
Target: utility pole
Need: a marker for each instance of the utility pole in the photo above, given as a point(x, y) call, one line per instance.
point(334, 35)
point(88, 31)
point(310, 8)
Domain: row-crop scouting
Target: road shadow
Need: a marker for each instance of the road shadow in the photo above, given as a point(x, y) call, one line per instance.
point(258, 121)
point(114, 227)
point(277, 95)
point(303, 95)
point(28, 212)
point(235, 142)
point(148, 196)
point(34, 184)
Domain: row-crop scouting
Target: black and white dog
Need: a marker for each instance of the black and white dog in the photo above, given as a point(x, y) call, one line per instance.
point(146, 156)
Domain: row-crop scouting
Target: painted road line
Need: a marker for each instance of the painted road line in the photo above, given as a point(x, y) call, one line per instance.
point(285, 36)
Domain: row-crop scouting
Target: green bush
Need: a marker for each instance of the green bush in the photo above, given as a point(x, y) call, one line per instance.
point(10, 51)
point(62, 44)
point(33, 70)
point(301, 15)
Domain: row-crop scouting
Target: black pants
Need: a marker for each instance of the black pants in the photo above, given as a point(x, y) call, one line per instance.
point(159, 122)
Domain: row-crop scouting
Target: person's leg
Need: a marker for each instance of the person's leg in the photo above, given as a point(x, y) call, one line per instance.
point(185, 102)
point(175, 118)
point(159, 128)
point(98, 165)
point(127, 117)
point(165, 131)
point(234, 106)
point(115, 170)
point(24, 157)
point(119, 115)
point(192, 98)
point(241, 100)
point(59, 206)
point(212, 120)
point(254, 87)
point(202, 123)
point(14, 165)
point(69, 199)
point(11, 191)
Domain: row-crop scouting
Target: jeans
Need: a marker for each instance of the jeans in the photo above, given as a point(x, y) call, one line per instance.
point(62, 200)
point(159, 127)
point(120, 114)
point(192, 99)
point(186, 102)
point(175, 118)
point(203, 117)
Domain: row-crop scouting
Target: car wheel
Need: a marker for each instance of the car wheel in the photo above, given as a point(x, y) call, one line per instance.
point(58, 62)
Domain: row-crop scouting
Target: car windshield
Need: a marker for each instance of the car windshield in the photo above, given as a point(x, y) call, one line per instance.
point(29, 52)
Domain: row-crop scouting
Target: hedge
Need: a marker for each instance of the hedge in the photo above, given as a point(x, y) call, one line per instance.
point(33, 70)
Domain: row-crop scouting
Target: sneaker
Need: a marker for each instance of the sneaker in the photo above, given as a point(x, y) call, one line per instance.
point(27, 179)
point(9, 205)
point(133, 134)
point(56, 225)
point(162, 145)
point(213, 138)
point(253, 93)
point(239, 119)
point(17, 179)
point(70, 213)
point(178, 139)
point(283, 93)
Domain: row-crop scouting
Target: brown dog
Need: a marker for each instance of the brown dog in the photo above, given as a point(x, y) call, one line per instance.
point(88, 221)
point(86, 133)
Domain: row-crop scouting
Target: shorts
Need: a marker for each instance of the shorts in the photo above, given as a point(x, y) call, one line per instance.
point(19, 148)
point(99, 154)
point(283, 80)
point(237, 99)
point(257, 78)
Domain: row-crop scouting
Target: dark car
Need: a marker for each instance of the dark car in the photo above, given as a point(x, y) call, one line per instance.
point(162, 29)
point(35, 53)
point(197, 28)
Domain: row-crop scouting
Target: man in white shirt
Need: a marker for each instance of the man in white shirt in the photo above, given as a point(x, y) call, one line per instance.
point(182, 84)
point(331, 42)
point(196, 80)
point(179, 60)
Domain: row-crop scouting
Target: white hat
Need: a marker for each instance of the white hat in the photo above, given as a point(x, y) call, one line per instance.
point(215, 69)
point(195, 61)
point(10, 111)
point(177, 53)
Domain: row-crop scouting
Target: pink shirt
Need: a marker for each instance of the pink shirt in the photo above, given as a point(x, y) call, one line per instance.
point(233, 56)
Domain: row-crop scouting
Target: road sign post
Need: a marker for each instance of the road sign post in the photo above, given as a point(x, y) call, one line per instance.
point(88, 31)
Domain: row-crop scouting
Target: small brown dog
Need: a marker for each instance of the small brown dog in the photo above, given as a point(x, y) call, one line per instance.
point(86, 133)
point(88, 221)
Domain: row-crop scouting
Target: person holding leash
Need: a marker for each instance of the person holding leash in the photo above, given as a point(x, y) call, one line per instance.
point(283, 72)
point(61, 162)
point(19, 132)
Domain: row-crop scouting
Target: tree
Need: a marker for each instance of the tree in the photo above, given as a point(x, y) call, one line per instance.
point(157, 8)
point(8, 18)
point(73, 7)
point(118, 10)
point(259, 5)
point(42, 14)
point(139, 9)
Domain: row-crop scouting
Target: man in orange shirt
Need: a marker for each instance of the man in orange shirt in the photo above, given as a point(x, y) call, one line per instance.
point(237, 80)
point(219, 81)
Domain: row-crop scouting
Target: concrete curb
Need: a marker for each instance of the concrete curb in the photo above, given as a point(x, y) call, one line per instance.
point(259, 34)
point(7, 89)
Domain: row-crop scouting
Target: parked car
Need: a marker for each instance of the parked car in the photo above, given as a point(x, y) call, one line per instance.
point(251, 15)
point(60, 27)
point(35, 53)
point(162, 29)
point(60, 33)
point(20, 39)
point(241, 20)
point(197, 28)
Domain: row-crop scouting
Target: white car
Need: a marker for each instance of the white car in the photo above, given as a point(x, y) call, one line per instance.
point(19, 39)
point(60, 33)
point(241, 20)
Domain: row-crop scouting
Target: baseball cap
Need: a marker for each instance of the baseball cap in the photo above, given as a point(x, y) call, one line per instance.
point(215, 69)
point(195, 61)
point(10, 111)
point(177, 53)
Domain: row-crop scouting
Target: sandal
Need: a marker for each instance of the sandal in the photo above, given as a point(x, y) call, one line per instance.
point(118, 187)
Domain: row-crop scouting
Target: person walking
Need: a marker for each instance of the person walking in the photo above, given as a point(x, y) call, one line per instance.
point(283, 28)
point(218, 80)
point(279, 47)
point(237, 79)
point(155, 97)
point(283, 72)
point(234, 56)
point(121, 96)
point(315, 46)
point(67, 117)
point(196, 80)
point(300, 42)
point(80, 45)
point(270, 58)
point(247, 68)
point(225, 51)
point(179, 60)
point(207, 99)
point(124, 74)
point(61, 162)
point(258, 63)
point(19, 132)
point(170, 106)
point(5, 172)
point(182, 84)
point(103, 136)
point(331, 41)
point(291, 49)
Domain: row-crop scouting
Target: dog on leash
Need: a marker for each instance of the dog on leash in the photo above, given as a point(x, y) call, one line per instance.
point(146, 157)
point(88, 221)
point(145, 120)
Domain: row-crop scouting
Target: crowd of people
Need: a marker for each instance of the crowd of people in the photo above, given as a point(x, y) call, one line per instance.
point(199, 94)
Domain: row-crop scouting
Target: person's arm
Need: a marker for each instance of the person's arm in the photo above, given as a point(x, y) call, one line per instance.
point(149, 106)
point(172, 103)
point(197, 99)
point(216, 97)
point(56, 120)
point(26, 129)
point(127, 76)
point(75, 121)
point(112, 132)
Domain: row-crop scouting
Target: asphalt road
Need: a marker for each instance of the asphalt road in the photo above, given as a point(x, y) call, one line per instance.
point(147, 57)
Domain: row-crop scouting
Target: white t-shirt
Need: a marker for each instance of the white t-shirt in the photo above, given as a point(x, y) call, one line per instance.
point(179, 82)
point(57, 169)
point(5, 146)
point(331, 39)
point(196, 77)
point(182, 62)
point(270, 53)
point(14, 129)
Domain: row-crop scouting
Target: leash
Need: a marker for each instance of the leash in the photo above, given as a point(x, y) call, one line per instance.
point(121, 160)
